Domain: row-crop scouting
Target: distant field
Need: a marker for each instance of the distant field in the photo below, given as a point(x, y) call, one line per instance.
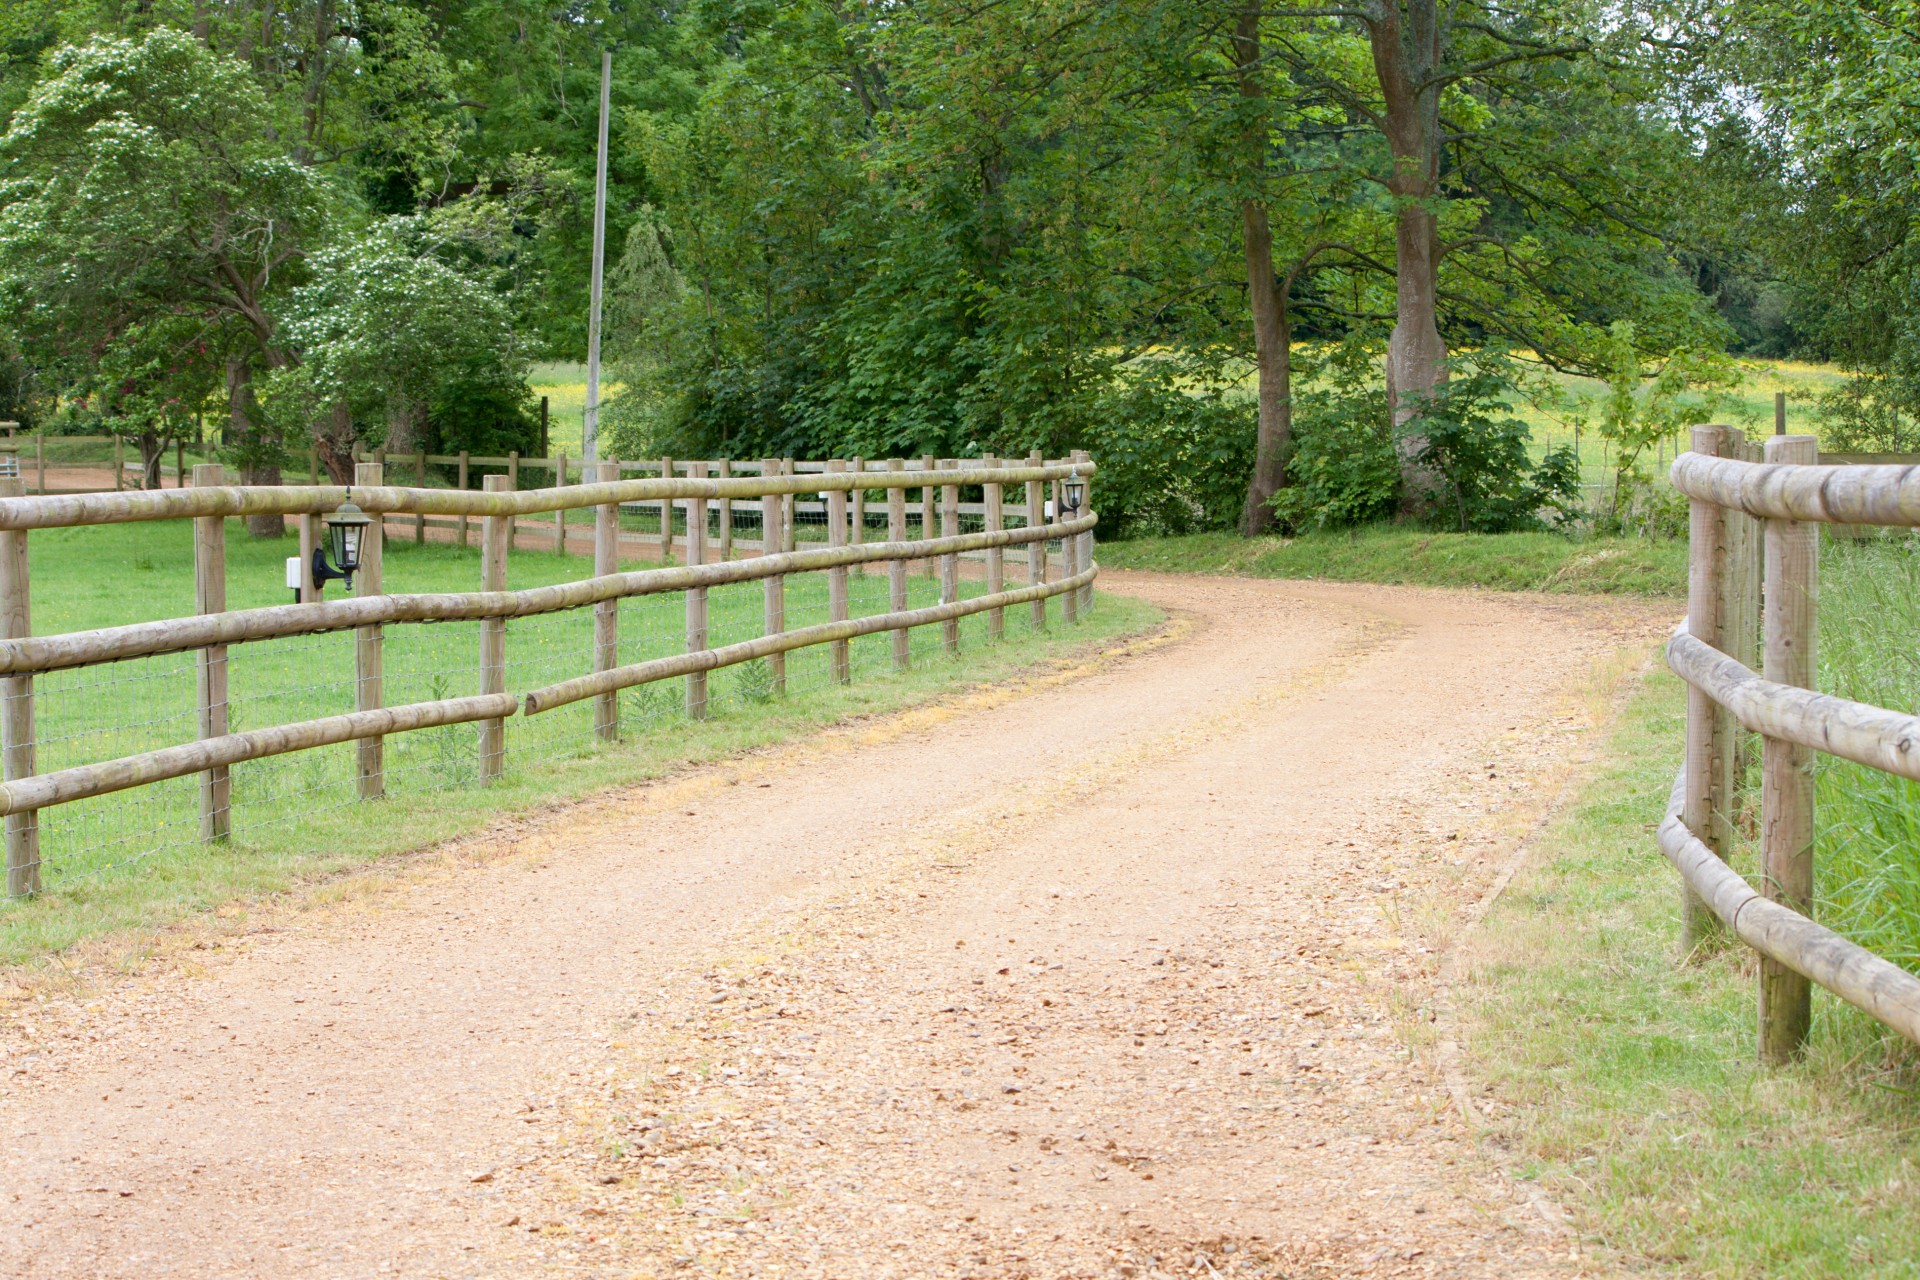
point(1751, 409)
point(565, 386)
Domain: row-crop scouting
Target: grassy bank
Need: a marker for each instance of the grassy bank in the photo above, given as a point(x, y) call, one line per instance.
point(134, 859)
point(1505, 562)
point(1627, 1083)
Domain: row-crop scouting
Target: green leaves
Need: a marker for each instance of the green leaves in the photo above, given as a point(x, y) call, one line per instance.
point(141, 180)
point(1462, 436)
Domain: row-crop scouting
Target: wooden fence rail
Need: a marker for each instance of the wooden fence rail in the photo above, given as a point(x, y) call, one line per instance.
point(1754, 583)
point(214, 628)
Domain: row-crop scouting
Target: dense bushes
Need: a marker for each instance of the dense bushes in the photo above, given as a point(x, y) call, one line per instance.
point(1473, 454)
point(1175, 454)
point(1172, 460)
point(1344, 470)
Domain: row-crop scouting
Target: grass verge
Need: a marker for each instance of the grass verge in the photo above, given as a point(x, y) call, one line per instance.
point(1627, 1083)
point(175, 884)
point(1502, 561)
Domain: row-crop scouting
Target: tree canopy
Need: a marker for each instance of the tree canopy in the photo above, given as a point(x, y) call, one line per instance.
point(854, 228)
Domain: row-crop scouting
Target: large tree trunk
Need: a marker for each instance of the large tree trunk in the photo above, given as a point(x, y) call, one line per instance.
point(1272, 342)
point(152, 449)
point(335, 444)
point(243, 435)
point(1272, 357)
point(1407, 46)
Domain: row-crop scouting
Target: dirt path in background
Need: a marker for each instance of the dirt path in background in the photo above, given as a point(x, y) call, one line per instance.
point(1122, 971)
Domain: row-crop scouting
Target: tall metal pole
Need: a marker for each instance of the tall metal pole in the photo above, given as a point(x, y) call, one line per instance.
point(590, 424)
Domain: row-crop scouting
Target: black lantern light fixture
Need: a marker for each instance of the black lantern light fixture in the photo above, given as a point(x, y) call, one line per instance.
point(345, 528)
point(1073, 491)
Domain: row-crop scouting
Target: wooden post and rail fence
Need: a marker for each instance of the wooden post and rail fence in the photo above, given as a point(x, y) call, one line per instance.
point(1753, 594)
point(780, 487)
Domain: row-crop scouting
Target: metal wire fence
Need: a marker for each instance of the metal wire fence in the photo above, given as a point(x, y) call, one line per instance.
point(90, 715)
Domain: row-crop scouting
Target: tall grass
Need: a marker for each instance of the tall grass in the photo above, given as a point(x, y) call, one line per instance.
point(1868, 858)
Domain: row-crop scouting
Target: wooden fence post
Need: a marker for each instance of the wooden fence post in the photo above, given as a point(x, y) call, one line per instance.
point(950, 563)
point(666, 514)
point(512, 486)
point(368, 666)
point(1083, 552)
point(1037, 551)
point(313, 464)
point(1069, 600)
point(772, 542)
point(996, 561)
point(1738, 630)
point(606, 614)
point(40, 461)
point(1707, 560)
point(726, 514)
point(560, 516)
point(1746, 545)
point(179, 463)
point(928, 566)
point(16, 706)
point(496, 533)
point(696, 596)
point(419, 518)
point(463, 489)
point(857, 515)
point(308, 528)
point(120, 461)
point(210, 596)
point(789, 532)
point(839, 661)
point(1786, 768)
point(897, 569)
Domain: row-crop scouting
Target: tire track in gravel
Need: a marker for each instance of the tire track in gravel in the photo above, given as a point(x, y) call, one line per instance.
point(1089, 976)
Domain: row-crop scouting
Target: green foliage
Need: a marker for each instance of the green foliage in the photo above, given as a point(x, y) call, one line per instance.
point(1344, 470)
point(148, 214)
point(404, 333)
point(754, 682)
point(19, 398)
point(1462, 435)
point(1872, 412)
point(1173, 459)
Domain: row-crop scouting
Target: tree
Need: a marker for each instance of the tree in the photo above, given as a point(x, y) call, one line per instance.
point(391, 317)
point(152, 386)
point(1535, 241)
point(142, 182)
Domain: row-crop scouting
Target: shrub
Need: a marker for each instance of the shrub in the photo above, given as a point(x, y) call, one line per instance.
point(1344, 470)
point(1477, 456)
point(1173, 459)
point(1871, 413)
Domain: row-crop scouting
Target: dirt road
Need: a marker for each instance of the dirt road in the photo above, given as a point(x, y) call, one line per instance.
point(1126, 970)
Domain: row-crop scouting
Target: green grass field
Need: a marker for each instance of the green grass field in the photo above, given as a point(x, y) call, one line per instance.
point(565, 386)
point(1502, 561)
point(112, 861)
